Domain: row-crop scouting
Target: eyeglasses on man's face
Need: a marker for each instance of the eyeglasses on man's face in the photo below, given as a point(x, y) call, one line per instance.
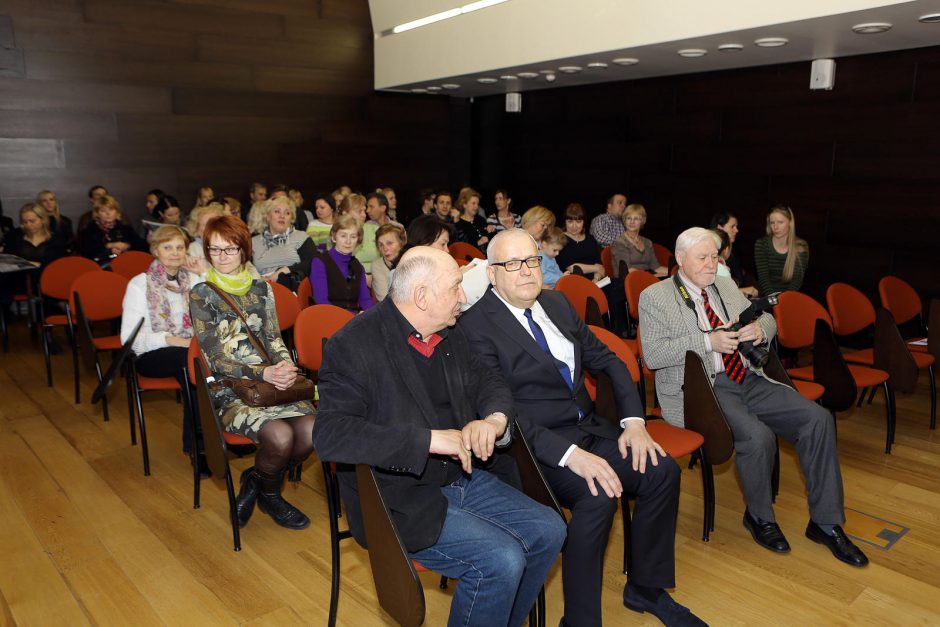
point(215, 251)
point(514, 265)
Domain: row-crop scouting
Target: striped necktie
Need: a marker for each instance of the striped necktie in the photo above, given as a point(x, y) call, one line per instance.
point(734, 366)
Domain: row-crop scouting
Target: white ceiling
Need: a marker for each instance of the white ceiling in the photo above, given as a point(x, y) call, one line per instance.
point(542, 35)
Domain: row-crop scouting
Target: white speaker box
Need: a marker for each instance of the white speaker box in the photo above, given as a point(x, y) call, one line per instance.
point(513, 102)
point(823, 74)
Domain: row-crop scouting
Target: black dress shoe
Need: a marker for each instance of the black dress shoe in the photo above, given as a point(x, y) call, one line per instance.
point(838, 543)
point(766, 534)
point(664, 608)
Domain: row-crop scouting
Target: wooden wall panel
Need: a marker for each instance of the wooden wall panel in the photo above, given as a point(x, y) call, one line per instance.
point(55, 124)
point(292, 8)
point(190, 152)
point(263, 52)
point(280, 79)
point(130, 42)
point(24, 153)
point(31, 95)
point(329, 32)
point(255, 104)
point(181, 128)
point(219, 20)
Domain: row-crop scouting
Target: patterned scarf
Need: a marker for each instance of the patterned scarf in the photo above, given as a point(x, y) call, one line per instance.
point(236, 284)
point(161, 318)
point(106, 230)
point(271, 240)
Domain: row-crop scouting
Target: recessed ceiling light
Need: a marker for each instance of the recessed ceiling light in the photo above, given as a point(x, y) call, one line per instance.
point(450, 85)
point(692, 53)
point(771, 42)
point(730, 48)
point(507, 77)
point(871, 28)
point(419, 90)
point(433, 88)
point(597, 65)
point(486, 80)
point(930, 18)
point(570, 69)
point(527, 74)
point(625, 61)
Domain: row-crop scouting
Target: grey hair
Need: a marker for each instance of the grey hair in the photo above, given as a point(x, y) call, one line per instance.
point(491, 255)
point(690, 237)
point(408, 274)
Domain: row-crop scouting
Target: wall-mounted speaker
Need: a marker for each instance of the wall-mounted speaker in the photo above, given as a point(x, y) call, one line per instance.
point(513, 102)
point(822, 74)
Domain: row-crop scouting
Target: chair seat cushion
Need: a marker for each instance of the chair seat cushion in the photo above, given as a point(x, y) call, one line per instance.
point(157, 383)
point(674, 440)
point(58, 319)
point(236, 438)
point(917, 348)
point(108, 343)
point(864, 377)
point(866, 357)
point(809, 390)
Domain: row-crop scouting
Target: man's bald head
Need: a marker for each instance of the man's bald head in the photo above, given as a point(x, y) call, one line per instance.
point(419, 265)
point(509, 238)
point(426, 289)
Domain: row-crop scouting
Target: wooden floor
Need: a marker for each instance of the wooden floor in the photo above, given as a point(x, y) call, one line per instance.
point(86, 538)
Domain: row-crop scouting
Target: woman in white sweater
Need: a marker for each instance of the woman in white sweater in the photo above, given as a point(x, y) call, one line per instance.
point(161, 297)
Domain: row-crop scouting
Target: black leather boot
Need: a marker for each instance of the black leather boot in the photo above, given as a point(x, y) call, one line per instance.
point(273, 504)
point(247, 495)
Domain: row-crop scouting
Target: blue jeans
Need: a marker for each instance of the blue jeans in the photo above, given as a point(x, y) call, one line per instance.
point(500, 544)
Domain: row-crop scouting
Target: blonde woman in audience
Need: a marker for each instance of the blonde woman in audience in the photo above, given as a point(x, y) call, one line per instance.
point(34, 241)
point(58, 223)
point(319, 227)
point(160, 296)
point(366, 252)
point(196, 226)
point(633, 248)
point(106, 236)
point(232, 206)
point(204, 196)
point(282, 253)
point(340, 194)
point(283, 431)
point(337, 277)
point(781, 257)
point(471, 227)
point(536, 221)
point(389, 239)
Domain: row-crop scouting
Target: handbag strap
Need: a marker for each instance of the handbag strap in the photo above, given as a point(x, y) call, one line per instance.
point(241, 314)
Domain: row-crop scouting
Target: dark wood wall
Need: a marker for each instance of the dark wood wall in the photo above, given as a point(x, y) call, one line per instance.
point(859, 165)
point(137, 94)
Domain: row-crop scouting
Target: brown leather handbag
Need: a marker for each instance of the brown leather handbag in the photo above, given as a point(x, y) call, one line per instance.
point(256, 393)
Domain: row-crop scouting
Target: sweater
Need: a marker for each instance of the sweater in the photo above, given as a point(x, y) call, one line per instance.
point(770, 264)
point(320, 280)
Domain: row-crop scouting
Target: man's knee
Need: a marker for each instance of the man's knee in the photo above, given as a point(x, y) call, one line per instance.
point(550, 533)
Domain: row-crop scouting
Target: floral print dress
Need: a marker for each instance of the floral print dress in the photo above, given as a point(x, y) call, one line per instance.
point(229, 352)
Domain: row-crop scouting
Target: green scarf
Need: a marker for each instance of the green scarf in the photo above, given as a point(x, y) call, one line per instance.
point(236, 284)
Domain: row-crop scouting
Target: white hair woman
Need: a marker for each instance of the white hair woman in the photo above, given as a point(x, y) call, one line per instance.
point(282, 253)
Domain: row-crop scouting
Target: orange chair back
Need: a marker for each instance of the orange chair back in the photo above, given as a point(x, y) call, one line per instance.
point(195, 353)
point(900, 298)
point(851, 310)
point(607, 260)
point(633, 285)
point(796, 315)
point(102, 295)
point(619, 348)
point(314, 324)
point(56, 280)
point(663, 254)
point(461, 250)
point(286, 304)
point(578, 289)
point(305, 294)
point(130, 264)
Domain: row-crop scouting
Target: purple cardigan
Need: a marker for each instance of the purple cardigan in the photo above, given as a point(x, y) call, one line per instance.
point(318, 283)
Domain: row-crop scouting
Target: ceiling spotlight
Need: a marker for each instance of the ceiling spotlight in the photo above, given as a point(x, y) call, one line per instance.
point(730, 48)
point(691, 53)
point(419, 90)
point(433, 88)
point(486, 80)
point(507, 77)
point(550, 78)
point(597, 65)
point(625, 61)
point(570, 69)
point(450, 85)
point(527, 74)
point(871, 28)
point(771, 42)
point(930, 18)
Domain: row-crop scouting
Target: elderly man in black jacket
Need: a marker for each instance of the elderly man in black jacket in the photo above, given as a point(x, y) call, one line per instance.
point(401, 391)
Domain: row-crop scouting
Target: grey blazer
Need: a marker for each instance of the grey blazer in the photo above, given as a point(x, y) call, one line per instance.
point(668, 328)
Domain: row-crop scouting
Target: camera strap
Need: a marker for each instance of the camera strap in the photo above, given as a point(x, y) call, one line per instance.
point(687, 298)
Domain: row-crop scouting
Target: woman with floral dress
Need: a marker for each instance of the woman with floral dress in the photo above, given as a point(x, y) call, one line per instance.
point(283, 431)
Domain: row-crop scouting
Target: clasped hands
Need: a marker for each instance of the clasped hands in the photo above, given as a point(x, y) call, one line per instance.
point(281, 375)
point(593, 468)
point(477, 438)
point(726, 342)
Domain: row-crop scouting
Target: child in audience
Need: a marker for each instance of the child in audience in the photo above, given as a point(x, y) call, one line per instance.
point(552, 243)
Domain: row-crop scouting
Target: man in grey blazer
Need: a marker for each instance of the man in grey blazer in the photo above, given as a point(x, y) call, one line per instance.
point(756, 408)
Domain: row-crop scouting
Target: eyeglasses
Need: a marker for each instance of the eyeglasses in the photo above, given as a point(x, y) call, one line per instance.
point(514, 265)
point(228, 250)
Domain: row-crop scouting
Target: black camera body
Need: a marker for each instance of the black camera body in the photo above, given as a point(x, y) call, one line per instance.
point(757, 355)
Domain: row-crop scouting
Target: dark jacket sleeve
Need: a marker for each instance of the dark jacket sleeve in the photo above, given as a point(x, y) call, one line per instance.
point(306, 252)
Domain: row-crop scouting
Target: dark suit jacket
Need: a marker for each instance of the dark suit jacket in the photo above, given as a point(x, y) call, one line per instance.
point(374, 410)
point(547, 409)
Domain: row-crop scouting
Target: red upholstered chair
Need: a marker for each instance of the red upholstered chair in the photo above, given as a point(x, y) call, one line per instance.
point(55, 283)
point(463, 252)
point(587, 299)
point(903, 301)
point(305, 294)
point(314, 326)
point(607, 260)
point(663, 254)
point(98, 297)
point(131, 263)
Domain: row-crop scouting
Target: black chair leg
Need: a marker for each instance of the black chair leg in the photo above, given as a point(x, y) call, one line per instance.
point(889, 411)
point(540, 612)
point(189, 399)
point(46, 353)
point(708, 496)
point(233, 515)
point(871, 395)
point(933, 397)
point(861, 397)
point(142, 425)
point(130, 383)
point(333, 507)
point(75, 371)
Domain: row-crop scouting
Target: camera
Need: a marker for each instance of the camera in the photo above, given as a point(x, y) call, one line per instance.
point(757, 355)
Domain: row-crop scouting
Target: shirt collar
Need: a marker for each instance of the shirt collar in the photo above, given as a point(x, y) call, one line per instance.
point(694, 290)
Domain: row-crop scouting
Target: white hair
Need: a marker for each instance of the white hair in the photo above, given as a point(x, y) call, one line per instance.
point(411, 272)
point(690, 237)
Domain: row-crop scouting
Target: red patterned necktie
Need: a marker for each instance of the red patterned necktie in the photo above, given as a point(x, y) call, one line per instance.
point(734, 366)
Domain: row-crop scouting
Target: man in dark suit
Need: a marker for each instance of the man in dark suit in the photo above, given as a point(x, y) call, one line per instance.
point(542, 347)
point(402, 392)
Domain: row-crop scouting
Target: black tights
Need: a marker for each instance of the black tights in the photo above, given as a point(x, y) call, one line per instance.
point(282, 440)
